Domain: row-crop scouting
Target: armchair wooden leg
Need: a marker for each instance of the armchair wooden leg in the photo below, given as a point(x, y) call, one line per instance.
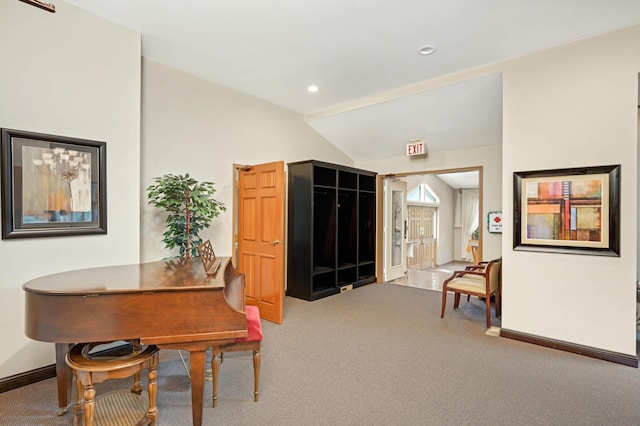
point(488, 302)
point(456, 300)
point(444, 301)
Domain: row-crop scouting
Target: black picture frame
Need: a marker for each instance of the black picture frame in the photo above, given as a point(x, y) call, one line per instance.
point(52, 186)
point(548, 221)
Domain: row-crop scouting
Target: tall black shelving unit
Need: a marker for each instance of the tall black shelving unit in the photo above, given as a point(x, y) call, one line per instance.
point(331, 234)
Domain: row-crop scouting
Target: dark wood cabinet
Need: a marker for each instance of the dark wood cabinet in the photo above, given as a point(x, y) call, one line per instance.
point(331, 239)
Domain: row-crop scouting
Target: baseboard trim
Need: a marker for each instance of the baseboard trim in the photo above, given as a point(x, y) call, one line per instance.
point(618, 358)
point(27, 378)
point(47, 372)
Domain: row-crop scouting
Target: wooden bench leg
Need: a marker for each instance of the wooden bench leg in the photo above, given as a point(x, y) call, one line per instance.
point(152, 413)
point(256, 374)
point(89, 400)
point(215, 371)
point(80, 391)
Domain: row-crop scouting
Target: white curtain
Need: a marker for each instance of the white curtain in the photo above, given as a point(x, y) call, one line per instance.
point(469, 206)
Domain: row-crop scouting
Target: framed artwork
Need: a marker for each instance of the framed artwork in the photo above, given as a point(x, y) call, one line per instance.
point(568, 210)
point(494, 222)
point(52, 185)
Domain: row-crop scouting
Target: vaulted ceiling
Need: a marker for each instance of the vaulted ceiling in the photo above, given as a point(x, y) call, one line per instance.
point(373, 93)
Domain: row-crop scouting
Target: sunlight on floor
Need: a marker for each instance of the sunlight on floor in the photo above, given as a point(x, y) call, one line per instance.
point(430, 279)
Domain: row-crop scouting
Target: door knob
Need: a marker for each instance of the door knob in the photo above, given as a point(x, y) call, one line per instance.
point(275, 242)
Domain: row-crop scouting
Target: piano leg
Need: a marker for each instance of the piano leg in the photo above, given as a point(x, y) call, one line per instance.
point(63, 376)
point(197, 351)
point(196, 361)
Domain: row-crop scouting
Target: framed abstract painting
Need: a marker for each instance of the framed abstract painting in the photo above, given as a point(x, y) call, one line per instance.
point(574, 210)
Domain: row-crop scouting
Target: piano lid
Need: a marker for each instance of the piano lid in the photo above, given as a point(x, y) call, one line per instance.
point(166, 275)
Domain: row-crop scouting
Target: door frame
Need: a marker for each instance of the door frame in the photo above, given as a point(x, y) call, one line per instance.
point(380, 208)
point(234, 211)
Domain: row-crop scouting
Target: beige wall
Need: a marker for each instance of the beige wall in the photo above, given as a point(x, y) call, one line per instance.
point(489, 157)
point(68, 74)
point(197, 127)
point(574, 106)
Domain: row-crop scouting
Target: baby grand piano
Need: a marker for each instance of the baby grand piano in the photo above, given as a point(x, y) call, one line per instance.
point(172, 304)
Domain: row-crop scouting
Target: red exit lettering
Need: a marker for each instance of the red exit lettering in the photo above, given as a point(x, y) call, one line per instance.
point(415, 148)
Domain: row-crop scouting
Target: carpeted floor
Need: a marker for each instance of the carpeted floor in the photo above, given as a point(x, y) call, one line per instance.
point(381, 355)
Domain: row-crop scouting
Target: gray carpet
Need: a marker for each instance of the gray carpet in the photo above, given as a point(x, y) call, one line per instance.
point(381, 355)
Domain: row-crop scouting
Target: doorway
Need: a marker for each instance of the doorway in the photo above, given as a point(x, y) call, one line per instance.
point(439, 219)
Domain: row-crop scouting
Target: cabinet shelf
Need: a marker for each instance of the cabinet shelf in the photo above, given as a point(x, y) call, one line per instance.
point(346, 265)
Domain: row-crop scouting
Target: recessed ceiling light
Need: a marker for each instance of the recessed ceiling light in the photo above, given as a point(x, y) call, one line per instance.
point(313, 89)
point(427, 50)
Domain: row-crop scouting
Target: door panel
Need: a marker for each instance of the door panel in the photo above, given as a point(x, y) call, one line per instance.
point(261, 236)
point(268, 270)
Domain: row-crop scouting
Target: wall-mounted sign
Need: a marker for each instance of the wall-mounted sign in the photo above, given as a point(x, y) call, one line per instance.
point(495, 222)
point(416, 147)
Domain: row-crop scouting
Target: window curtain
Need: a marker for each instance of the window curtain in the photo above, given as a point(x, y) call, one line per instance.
point(469, 206)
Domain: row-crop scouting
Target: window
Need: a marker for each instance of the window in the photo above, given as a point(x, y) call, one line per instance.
point(423, 194)
point(414, 194)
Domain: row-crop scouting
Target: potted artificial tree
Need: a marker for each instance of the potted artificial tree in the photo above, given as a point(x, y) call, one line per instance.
point(190, 207)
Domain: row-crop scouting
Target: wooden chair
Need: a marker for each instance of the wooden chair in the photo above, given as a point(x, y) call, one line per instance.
point(89, 369)
point(250, 343)
point(234, 293)
point(481, 267)
point(481, 282)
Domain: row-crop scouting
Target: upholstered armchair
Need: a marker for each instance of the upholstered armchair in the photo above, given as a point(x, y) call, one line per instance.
point(483, 281)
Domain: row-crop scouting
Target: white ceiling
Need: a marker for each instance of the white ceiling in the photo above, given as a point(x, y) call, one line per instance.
point(461, 180)
point(363, 56)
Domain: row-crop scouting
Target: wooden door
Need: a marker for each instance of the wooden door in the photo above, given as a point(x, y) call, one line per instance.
point(422, 241)
point(414, 243)
point(429, 237)
point(261, 236)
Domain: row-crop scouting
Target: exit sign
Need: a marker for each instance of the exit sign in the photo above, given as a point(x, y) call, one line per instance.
point(415, 148)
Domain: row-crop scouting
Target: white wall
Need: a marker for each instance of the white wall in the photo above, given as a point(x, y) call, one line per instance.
point(572, 106)
point(197, 127)
point(489, 157)
point(68, 74)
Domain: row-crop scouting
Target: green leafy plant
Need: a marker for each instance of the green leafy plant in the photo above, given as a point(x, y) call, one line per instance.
point(190, 207)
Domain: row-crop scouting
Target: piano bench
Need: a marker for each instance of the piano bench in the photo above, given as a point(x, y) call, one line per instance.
point(89, 369)
point(250, 343)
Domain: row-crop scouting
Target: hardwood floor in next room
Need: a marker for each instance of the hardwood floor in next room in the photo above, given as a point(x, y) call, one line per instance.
point(432, 278)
